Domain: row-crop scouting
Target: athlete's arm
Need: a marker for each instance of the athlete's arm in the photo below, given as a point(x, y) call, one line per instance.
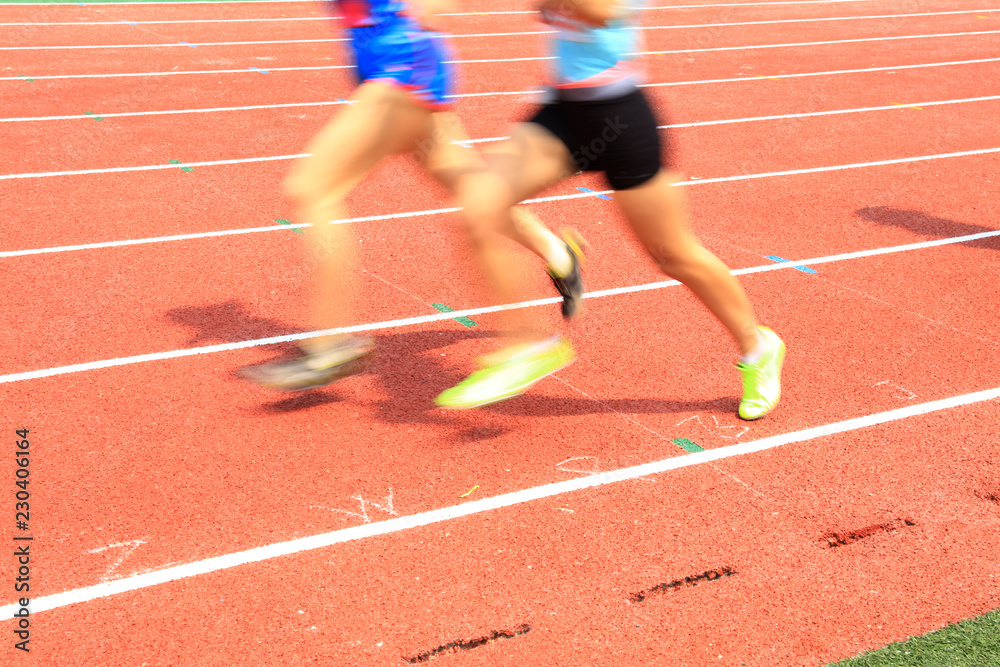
point(425, 12)
point(595, 12)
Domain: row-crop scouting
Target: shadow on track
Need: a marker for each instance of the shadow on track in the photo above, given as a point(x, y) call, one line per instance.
point(411, 368)
point(919, 222)
point(227, 322)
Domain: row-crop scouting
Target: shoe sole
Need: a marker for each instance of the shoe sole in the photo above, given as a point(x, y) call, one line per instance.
point(356, 366)
point(577, 246)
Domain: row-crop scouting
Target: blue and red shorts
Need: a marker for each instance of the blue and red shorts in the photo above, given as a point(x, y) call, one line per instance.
point(401, 52)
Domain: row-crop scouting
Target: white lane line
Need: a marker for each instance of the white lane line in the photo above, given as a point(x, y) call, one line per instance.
point(816, 20)
point(748, 119)
point(242, 70)
point(751, 47)
point(813, 114)
point(442, 211)
point(822, 43)
point(459, 35)
point(157, 2)
point(276, 19)
point(722, 179)
point(125, 114)
point(152, 167)
point(786, 116)
point(311, 2)
point(225, 232)
point(863, 70)
point(474, 507)
point(728, 4)
point(247, 70)
point(758, 78)
point(746, 48)
point(506, 60)
point(647, 9)
point(246, 43)
point(423, 319)
point(164, 45)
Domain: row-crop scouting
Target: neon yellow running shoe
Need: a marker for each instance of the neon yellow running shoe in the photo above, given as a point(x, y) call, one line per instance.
point(762, 380)
point(508, 373)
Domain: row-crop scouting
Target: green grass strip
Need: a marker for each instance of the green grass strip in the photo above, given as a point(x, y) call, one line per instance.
point(179, 163)
point(462, 320)
point(687, 445)
point(25, 78)
point(282, 221)
point(971, 643)
point(93, 115)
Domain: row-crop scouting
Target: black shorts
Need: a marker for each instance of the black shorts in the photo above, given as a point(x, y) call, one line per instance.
point(617, 136)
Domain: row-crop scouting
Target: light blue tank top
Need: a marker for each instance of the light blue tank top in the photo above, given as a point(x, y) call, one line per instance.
point(591, 61)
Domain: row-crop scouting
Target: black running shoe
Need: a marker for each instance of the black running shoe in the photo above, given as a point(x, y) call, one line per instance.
point(312, 371)
point(571, 285)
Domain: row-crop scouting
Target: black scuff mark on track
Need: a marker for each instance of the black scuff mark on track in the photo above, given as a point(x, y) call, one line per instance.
point(467, 644)
point(686, 582)
point(834, 539)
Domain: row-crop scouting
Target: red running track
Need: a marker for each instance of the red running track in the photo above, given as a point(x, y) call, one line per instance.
point(798, 555)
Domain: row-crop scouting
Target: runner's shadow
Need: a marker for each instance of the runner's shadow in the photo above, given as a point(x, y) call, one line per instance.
point(406, 368)
point(919, 222)
point(410, 369)
point(411, 375)
point(538, 406)
point(227, 322)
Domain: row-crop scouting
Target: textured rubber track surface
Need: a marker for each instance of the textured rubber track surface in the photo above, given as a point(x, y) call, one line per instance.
point(802, 554)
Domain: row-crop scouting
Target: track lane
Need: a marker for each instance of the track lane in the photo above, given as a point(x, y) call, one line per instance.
point(645, 541)
point(691, 394)
point(729, 222)
point(459, 615)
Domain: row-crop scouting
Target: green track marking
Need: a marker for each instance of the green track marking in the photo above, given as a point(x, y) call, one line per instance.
point(93, 115)
point(462, 320)
point(282, 221)
point(687, 445)
point(25, 78)
point(178, 163)
point(971, 643)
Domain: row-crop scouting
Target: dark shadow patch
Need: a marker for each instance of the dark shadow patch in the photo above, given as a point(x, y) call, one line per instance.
point(227, 322)
point(686, 582)
point(480, 433)
point(531, 405)
point(410, 373)
point(919, 222)
point(467, 644)
point(302, 401)
point(834, 540)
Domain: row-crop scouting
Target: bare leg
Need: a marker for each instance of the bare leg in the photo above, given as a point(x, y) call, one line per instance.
point(488, 198)
point(656, 211)
point(530, 161)
point(450, 162)
point(383, 121)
